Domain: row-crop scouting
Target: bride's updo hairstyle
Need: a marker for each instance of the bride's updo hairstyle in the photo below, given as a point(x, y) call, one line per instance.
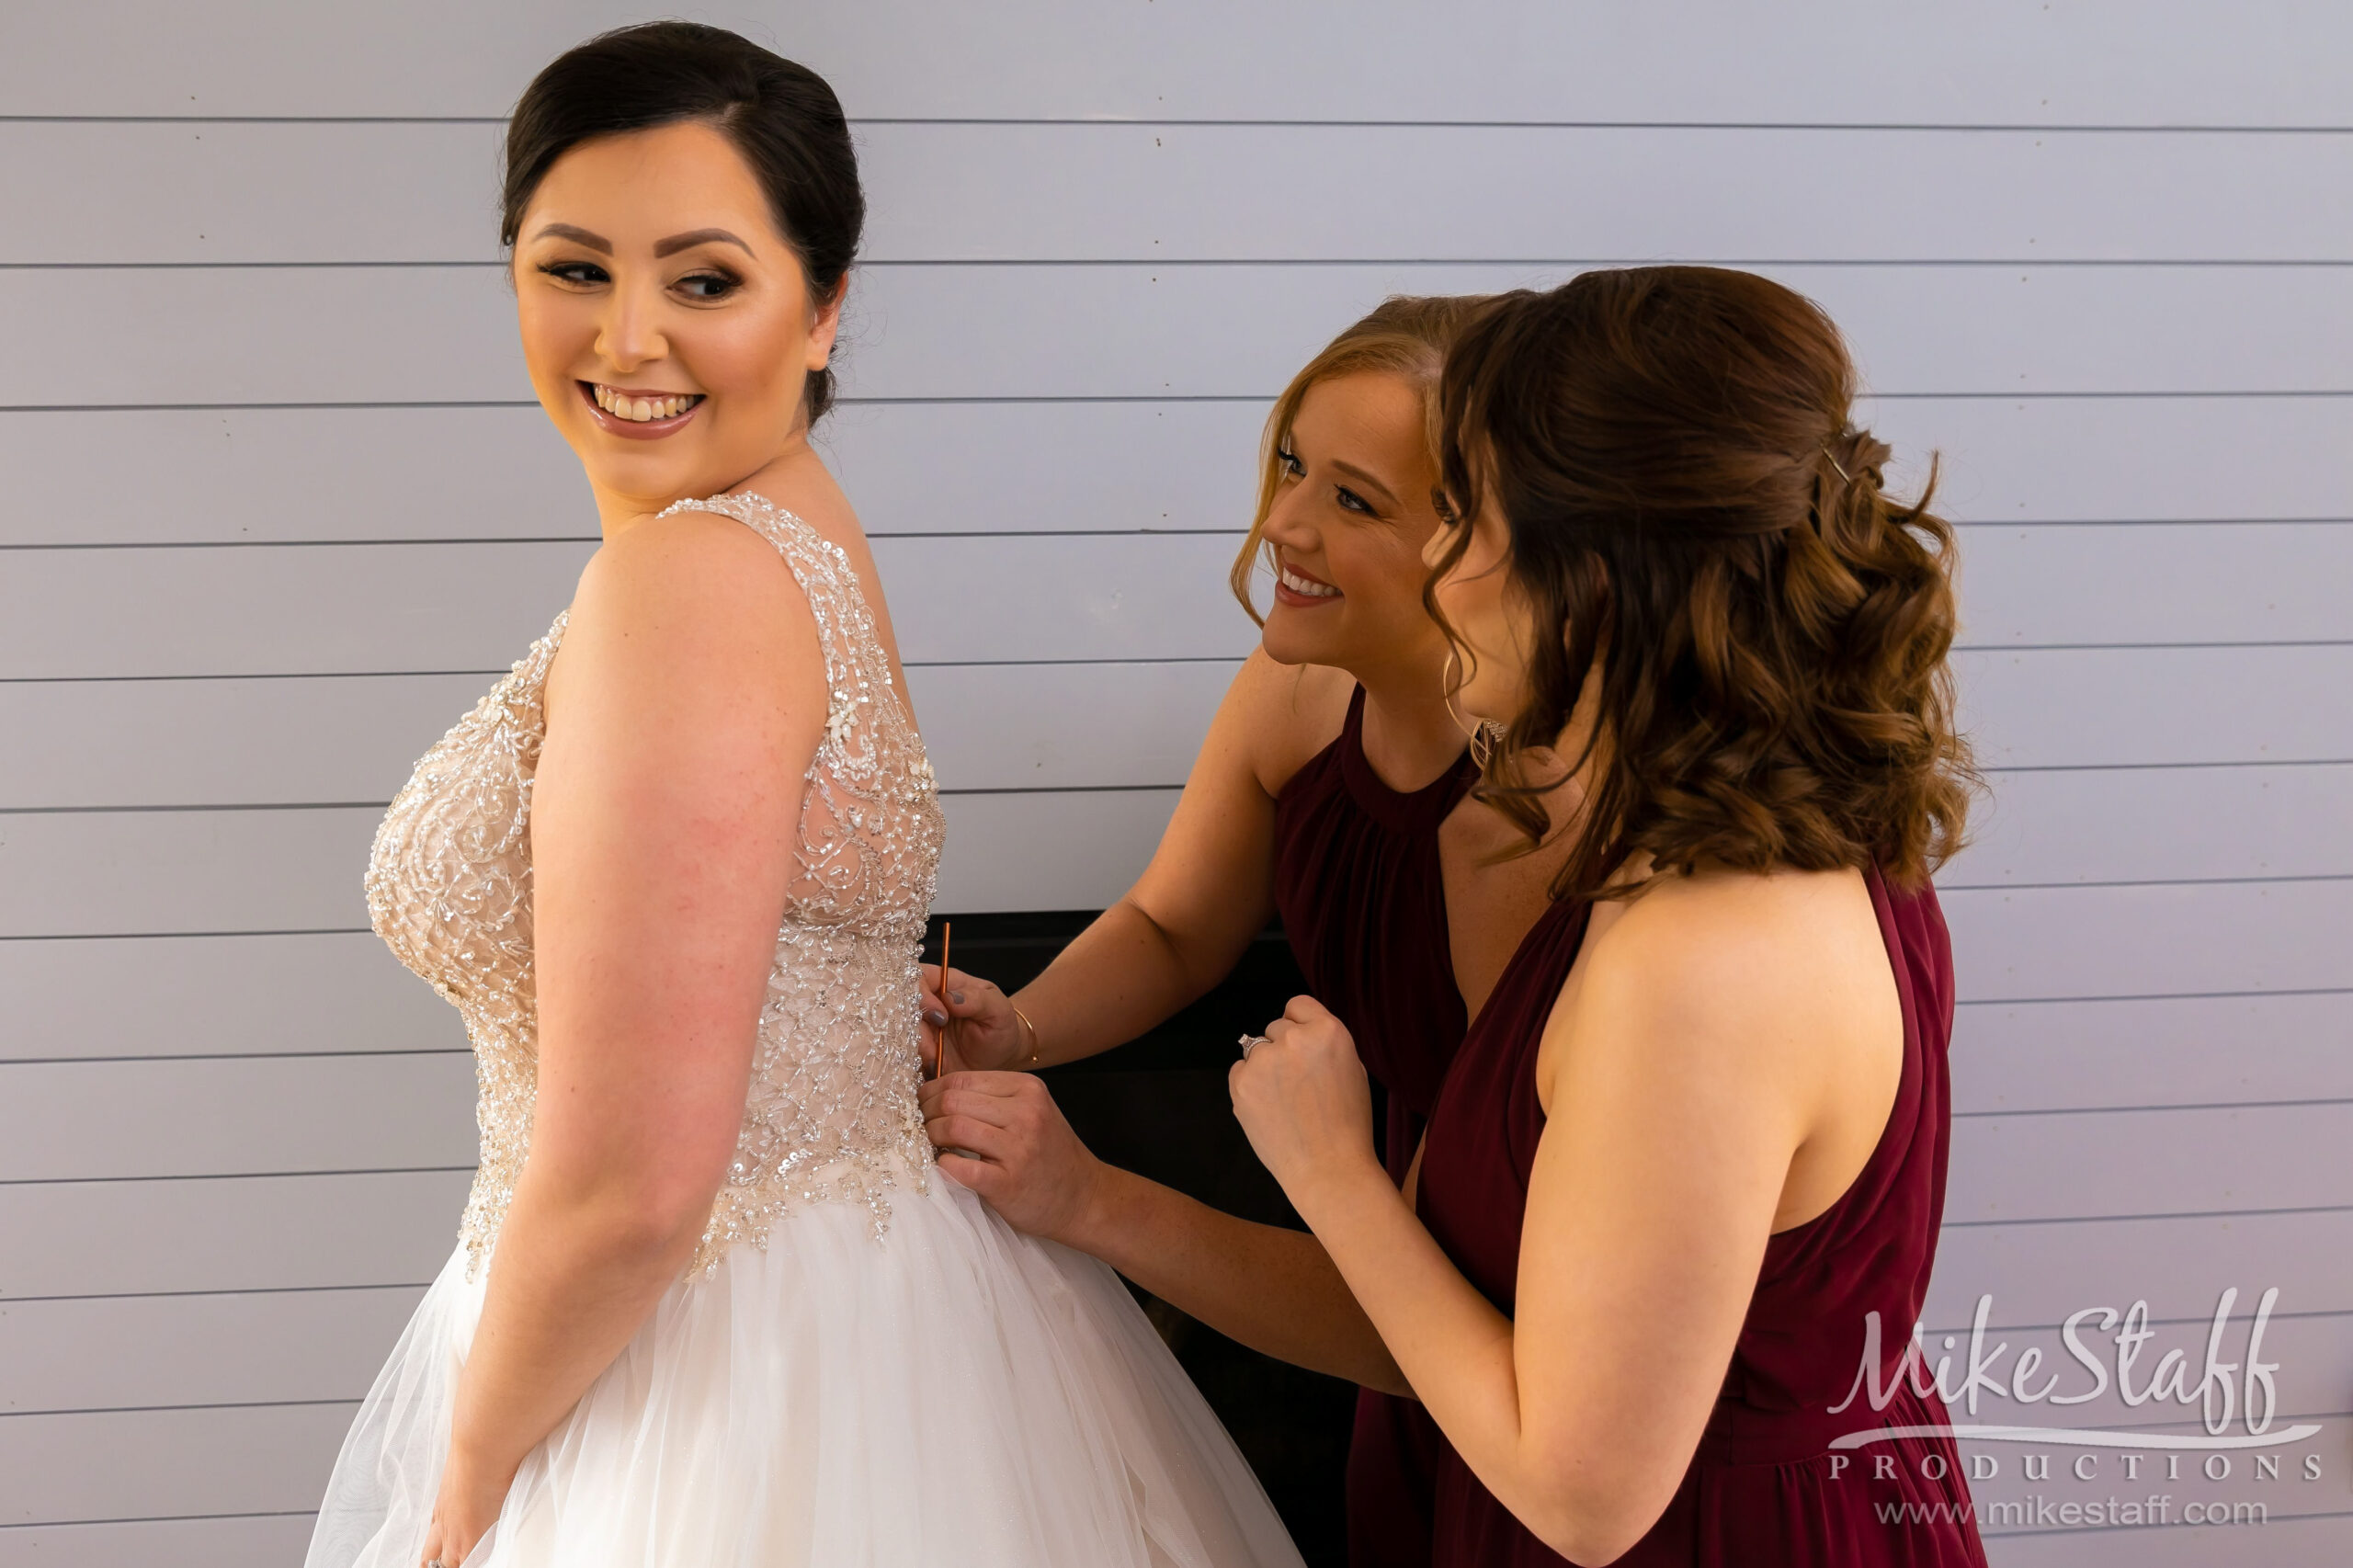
point(1687, 499)
point(781, 117)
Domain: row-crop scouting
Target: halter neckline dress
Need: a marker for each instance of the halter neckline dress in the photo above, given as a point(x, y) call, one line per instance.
point(1764, 1490)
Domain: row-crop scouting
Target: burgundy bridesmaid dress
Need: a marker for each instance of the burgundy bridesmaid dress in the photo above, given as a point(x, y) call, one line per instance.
point(1764, 1489)
point(1363, 902)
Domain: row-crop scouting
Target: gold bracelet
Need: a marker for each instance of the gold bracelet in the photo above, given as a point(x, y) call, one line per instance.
point(1034, 1047)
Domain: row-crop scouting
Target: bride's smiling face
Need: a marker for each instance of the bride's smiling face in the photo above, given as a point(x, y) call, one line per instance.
point(666, 323)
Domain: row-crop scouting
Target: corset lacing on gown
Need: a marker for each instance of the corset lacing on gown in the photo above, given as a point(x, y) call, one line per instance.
point(832, 1111)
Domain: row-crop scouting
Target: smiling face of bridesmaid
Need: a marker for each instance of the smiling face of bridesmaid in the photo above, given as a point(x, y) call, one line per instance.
point(666, 321)
point(1344, 535)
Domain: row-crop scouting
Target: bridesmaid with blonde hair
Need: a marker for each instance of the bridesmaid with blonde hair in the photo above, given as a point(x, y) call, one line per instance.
point(1334, 791)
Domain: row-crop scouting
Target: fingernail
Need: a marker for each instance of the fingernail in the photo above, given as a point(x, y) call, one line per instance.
point(935, 1017)
point(957, 997)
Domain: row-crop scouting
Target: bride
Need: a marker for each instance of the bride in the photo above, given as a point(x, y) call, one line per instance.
point(713, 1303)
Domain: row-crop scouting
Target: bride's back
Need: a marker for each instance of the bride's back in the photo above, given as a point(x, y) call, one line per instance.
point(831, 1110)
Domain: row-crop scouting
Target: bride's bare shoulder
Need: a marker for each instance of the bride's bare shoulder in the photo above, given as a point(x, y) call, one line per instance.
point(688, 594)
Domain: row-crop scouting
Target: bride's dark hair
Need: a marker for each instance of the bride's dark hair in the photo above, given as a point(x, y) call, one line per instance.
point(781, 117)
point(1689, 504)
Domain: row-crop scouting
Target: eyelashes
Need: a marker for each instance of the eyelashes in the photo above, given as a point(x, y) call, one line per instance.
point(706, 284)
point(1348, 499)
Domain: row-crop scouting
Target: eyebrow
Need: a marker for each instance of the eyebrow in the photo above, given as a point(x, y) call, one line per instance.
point(1351, 469)
point(670, 247)
point(597, 242)
point(694, 237)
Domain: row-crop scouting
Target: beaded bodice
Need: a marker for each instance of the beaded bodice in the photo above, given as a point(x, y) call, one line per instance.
point(831, 1113)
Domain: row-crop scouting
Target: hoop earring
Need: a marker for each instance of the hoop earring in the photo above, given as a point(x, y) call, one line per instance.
point(1485, 735)
point(1445, 690)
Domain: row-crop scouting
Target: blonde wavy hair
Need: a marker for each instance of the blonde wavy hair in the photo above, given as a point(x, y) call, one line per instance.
point(1405, 336)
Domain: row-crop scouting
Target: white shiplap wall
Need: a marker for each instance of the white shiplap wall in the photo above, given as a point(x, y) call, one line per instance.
point(275, 505)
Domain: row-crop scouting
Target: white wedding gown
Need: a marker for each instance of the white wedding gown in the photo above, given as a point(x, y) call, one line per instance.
point(863, 1365)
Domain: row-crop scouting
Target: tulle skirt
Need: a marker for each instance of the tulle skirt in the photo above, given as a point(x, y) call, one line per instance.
point(953, 1393)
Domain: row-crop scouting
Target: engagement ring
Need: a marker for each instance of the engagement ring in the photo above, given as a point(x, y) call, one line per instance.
point(1251, 1043)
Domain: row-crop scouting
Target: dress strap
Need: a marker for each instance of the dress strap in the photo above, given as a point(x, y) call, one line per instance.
point(862, 703)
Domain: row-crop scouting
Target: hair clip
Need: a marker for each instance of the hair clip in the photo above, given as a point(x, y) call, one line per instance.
point(1833, 463)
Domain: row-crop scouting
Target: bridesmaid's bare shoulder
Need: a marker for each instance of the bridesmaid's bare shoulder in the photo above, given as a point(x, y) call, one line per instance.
point(1284, 714)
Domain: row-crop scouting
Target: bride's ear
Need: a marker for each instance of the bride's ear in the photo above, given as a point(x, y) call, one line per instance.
point(825, 325)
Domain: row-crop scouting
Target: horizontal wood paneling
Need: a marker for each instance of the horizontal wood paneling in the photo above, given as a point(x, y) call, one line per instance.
point(262, 995)
point(1153, 192)
point(333, 608)
point(148, 874)
point(2104, 460)
point(408, 608)
point(2084, 584)
point(214, 192)
point(218, 997)
point(183, 1544)
point(159, 1463)
point(2038, 1273)
point(2284, 1499)
point(2286, 1541)
point(92, 873)
point(2314, 1355)
point(73, 1121)
point(87, 1121)
point(2103, 61)
point(283, 1232)
point(1206, 262)
point(2187, 939)
point(251, 475)
point(135, 1352)
point(246, 742)
point(2150, 824)
point(105, 1238)
point(437, 335)
point(132, 1352)
point(2026, 1056)
point(354, 473)
point(2148, 707)
point(2097, 1164)
point(195, 742)
point(259, 995)
point(1076, 851)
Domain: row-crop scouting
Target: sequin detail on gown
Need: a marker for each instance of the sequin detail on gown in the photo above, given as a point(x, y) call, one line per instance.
point(832, 1112)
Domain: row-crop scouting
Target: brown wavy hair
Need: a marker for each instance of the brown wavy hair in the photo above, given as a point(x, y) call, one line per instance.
point(1689, 502)
point(1405, 335)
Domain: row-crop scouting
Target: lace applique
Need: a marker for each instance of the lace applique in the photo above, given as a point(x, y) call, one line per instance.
point(832, 1113)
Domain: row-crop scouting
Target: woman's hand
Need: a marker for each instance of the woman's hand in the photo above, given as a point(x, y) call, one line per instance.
point(1002, 1136)
point(983, 1031)
point(1302, 1098)
point(463, 1511)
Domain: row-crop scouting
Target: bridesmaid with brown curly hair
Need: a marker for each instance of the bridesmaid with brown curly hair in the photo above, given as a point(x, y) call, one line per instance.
point(1694, 1145)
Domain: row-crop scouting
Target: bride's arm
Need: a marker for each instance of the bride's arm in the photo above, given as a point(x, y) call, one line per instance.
point(684, 708)
point(1208, 892)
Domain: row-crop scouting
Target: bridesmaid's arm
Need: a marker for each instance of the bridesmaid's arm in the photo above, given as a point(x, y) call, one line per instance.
point(682, 717)
point(1673, 1117)
point(1273, 1289)
point(1208, 892)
